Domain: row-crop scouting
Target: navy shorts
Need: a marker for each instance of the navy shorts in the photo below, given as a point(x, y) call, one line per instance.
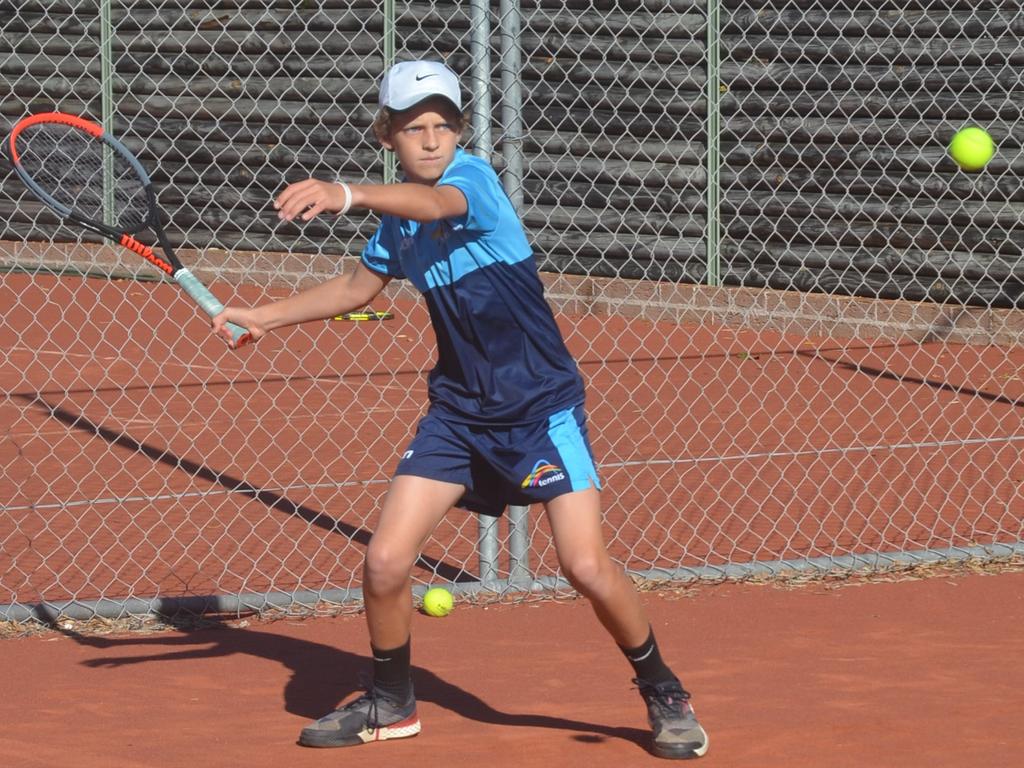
point(502, 465)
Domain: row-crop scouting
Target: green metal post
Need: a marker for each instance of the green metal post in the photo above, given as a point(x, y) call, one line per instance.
point(714, 191)
point(390, 173)
point(107, 105)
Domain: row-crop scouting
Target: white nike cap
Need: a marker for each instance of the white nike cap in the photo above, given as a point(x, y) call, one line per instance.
point(408, 83)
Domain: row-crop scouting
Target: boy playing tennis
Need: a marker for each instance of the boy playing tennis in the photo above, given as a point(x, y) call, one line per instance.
point(505, 424)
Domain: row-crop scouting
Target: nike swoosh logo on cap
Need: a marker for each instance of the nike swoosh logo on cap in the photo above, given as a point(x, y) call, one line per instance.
point(424, 77)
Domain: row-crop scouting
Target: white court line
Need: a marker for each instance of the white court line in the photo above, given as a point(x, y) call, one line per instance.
point(184, 426)
point(115, 358)
point(215, 368)
point(820, 451)
point(609, 465)
point(62, 352)
point(188, 495)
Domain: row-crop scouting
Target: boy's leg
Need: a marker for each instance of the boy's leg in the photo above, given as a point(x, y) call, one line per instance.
point(576, 527)
point(411, 511)
point(575, 520)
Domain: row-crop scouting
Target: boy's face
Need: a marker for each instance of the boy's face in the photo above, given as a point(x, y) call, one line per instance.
point(425, 139)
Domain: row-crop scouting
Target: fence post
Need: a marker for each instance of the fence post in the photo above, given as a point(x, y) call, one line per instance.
point(389, 171)
point(519, 545)
point(107, 105)
point(512, 101)
point(487, 550)
point(713, 158)
point(480, 49)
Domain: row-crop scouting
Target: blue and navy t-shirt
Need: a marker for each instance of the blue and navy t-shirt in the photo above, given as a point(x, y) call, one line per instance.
point(501, 357)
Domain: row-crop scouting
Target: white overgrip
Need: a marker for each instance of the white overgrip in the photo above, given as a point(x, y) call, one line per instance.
point(208, 302)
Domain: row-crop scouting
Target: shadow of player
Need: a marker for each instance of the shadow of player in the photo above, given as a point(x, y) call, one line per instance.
point(322, 676)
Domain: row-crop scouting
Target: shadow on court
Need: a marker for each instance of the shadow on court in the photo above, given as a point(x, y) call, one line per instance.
point(897, 377)
point(322, 676)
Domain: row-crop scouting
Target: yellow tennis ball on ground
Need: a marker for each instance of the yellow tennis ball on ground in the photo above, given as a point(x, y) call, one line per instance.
point(972, 148)
point(437, 601)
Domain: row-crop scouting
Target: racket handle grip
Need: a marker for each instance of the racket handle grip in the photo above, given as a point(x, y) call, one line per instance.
point(208, 303)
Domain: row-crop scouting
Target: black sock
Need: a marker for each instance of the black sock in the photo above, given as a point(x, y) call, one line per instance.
point(647, 662)
point(391, 670)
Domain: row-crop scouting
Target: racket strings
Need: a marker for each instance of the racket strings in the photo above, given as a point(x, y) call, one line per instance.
point(84, 174)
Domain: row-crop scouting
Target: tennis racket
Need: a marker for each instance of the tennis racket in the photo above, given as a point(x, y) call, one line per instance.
point(360, 317)
point(90, 178)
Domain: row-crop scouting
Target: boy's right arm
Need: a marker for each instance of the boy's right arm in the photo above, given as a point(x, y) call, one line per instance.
point(334, 297)
point(416, 202)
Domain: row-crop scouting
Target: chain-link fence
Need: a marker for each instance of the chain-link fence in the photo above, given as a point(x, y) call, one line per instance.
point(796, 317)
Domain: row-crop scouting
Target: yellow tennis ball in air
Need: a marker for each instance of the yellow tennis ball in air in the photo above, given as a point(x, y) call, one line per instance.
point(972, 148)
point(437, 602)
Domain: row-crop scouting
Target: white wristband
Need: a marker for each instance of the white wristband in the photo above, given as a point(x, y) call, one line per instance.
point(348, 197)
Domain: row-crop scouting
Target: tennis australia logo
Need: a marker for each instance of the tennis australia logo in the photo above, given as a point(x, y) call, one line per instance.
point(543, 473)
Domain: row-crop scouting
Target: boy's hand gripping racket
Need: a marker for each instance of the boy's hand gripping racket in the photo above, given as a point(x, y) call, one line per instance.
point(64, 159)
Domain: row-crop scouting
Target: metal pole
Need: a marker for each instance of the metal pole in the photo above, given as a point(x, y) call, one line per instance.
point(107, 106)
point(519, 545)
point(487, 549)
point(480, 48)
point(389, 171)
point(713, 157)
point(512, 101)
point(509, 27)
point(483, 146)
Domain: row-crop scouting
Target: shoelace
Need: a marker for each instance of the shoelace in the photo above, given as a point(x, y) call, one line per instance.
point(371, 714)
point(371, 696)
point(670, 699)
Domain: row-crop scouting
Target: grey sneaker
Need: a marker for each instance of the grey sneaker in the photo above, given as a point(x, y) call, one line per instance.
point(676, 732)
point(371, 717)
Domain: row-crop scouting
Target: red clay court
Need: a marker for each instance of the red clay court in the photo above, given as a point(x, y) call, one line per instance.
point(905, 673)
point(145, 462)
point(130, 498)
